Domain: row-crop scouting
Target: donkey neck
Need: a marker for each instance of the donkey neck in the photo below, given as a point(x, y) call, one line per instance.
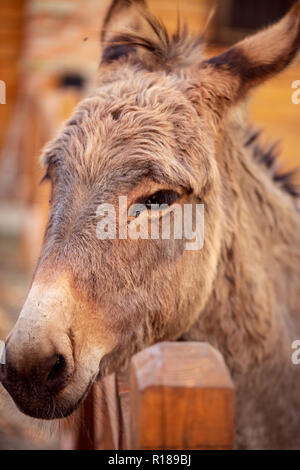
point(254, 304)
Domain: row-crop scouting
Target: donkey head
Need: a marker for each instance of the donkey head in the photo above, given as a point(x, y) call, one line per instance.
point(150, 133)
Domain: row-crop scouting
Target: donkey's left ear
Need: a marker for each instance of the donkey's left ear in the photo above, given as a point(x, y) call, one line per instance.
point(226, 78)
point(123, 16)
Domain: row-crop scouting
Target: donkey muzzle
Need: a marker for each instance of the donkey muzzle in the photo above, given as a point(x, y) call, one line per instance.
point(35, 376)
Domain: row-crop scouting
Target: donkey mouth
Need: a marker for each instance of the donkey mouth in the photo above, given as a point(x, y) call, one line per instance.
point(64, 412)
point(49, 409)
point(35, 404)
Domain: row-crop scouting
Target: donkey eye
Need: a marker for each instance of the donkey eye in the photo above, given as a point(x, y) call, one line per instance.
point(159, 198)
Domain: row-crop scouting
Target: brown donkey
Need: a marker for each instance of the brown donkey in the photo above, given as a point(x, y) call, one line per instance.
point(163, 126)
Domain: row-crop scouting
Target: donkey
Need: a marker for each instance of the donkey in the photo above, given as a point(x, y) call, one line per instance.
point(166, 125)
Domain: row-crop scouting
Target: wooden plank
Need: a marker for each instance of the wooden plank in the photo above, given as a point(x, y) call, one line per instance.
point(86, 431)
point(106, 420)
point(15, 4)
point(97, 424)
point(12, 18)
point(112, 412)
point(182, 397)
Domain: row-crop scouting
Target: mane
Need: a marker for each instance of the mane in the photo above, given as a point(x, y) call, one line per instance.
point(161, 50)
point(268, 157)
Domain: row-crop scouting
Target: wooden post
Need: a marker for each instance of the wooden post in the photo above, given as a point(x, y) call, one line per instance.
point(102, 421)
point(181, 397)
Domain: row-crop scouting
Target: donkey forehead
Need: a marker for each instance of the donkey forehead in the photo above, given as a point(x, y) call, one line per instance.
point(147, 126)
point(136, 111)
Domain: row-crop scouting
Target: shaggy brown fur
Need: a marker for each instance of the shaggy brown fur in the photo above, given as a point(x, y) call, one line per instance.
point(164, 117)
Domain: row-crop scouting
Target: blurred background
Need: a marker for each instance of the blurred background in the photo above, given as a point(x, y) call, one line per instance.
point(49, 55)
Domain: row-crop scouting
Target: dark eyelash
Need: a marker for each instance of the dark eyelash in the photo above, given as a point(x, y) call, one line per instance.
point(46, 177)
point(166, 197)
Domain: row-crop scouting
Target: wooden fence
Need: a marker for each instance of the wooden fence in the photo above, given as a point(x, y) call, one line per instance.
point(176, 395)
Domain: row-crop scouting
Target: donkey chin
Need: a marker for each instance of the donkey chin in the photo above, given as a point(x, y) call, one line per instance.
point(49, 366)
point(38, 401)
point(55, 397)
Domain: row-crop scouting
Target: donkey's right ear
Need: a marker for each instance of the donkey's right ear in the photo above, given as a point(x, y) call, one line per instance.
point(123, 16)
point(226, 79)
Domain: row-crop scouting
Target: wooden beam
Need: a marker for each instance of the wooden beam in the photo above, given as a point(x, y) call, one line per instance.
point(181, 397)
point(102, 421)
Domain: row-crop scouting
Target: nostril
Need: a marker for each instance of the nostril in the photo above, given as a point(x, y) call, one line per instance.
point(56, 370)
point(58, 374)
